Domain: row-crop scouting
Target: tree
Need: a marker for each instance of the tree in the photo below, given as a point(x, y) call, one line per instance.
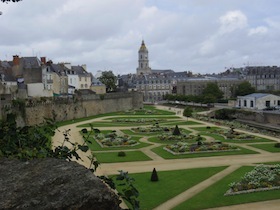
point(212, 92)
point(243, 89)
point(7, 2)
point(109, 80)
point(176, 131)
point(154, 176)
point(188, 111)
point(10, 0)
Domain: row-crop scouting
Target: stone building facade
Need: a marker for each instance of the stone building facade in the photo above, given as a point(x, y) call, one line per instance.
point(195, 86)
point(265, 78)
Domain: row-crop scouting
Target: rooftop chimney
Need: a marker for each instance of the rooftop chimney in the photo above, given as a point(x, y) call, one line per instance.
point(43, 60)
point(16, 60)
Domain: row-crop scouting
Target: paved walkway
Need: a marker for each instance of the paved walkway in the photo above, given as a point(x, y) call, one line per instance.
point(174, 164)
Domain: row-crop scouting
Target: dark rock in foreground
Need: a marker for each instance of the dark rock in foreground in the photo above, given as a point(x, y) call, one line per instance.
point(52, 184)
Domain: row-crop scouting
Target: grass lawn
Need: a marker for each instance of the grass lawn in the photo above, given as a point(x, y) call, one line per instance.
point(205, 129)
point(94, 146)
point(126, 124)
point(217, 137)
point(248, 141)
point(170, 184)
point(266, 147)
point(214, 195)
point(145, 117)
point(112, 157)
point(181, 122)
point(140, 112)
point(167, 155)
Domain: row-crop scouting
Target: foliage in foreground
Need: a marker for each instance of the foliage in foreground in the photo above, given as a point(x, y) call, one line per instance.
point(31, 142)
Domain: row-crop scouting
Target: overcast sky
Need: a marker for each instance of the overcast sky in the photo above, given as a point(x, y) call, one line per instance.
point(203, 36)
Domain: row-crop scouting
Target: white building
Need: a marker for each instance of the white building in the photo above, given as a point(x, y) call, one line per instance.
point(258, 101)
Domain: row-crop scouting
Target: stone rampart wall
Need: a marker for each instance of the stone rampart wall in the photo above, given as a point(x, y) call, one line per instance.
point(80, 109)
point(61, 110)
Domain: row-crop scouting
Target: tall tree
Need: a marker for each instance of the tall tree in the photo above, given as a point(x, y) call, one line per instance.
point(243, 89)
point(212, 92)
point(10, 0)
point(109, 80)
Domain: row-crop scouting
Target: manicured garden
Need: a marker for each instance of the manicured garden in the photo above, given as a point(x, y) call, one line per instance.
point(213, 196)
point(170, 184)
point(158, 126)
point(114, 157)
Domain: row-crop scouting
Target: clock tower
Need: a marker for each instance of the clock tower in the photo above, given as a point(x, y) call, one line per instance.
point(143, 60)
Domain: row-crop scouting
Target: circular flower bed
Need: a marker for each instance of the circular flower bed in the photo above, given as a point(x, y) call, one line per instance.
point(261, 178)
point(112, 139)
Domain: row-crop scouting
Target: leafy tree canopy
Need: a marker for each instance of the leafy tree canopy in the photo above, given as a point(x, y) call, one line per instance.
point(212, 92)
point(10, 0)
point(109, 80)
point(243, 89)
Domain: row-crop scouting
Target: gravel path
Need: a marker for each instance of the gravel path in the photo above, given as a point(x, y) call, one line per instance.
point(161, 164)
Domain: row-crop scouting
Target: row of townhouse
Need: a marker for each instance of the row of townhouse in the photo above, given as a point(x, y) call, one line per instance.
point(25, 77)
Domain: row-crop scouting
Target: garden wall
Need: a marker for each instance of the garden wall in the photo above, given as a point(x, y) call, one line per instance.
point(61, 110)
point(260, 117)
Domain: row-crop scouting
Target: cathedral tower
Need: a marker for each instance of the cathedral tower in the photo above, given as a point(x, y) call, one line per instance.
point(143, 60)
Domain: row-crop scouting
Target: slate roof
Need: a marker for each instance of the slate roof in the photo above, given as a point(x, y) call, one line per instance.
point(257, 95)
point(30, 62)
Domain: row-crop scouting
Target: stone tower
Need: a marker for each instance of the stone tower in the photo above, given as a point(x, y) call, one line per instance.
point(143, 60)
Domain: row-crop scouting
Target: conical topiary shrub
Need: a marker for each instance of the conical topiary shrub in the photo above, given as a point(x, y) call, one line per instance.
point(176, 131)
point(154, 177)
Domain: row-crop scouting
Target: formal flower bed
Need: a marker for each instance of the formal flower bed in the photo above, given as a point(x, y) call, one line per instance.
point(234, 135)
point(183, 147)
point(182, 137)
point(142, 120)
point(152, 129)
point(261, 178)
point(113, 140)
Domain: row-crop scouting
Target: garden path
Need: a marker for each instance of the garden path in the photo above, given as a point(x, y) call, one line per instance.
point(165, 165)
point(196, 189)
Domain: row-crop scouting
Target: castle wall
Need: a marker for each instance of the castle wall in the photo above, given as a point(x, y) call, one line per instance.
point(61, 110)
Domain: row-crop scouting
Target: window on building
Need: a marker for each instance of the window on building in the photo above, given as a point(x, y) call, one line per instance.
point(267, 103)
point(86, 86)
point(278, 102)
point(245, 103)
point(251, 103)
point(82, 85)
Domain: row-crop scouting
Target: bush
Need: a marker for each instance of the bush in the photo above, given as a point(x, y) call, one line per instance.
point(154, 177)
point(176, 131)
point(277, 145)
point(84, 130)
point(121, 154)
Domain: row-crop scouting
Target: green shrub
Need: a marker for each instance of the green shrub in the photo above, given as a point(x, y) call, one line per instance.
point(154, 177)
point(121, 154)
point(277, 145)
point(84, 130)
point(176, 131)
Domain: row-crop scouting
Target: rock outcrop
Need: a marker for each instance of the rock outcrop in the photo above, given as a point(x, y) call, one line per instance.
point(52, 184)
